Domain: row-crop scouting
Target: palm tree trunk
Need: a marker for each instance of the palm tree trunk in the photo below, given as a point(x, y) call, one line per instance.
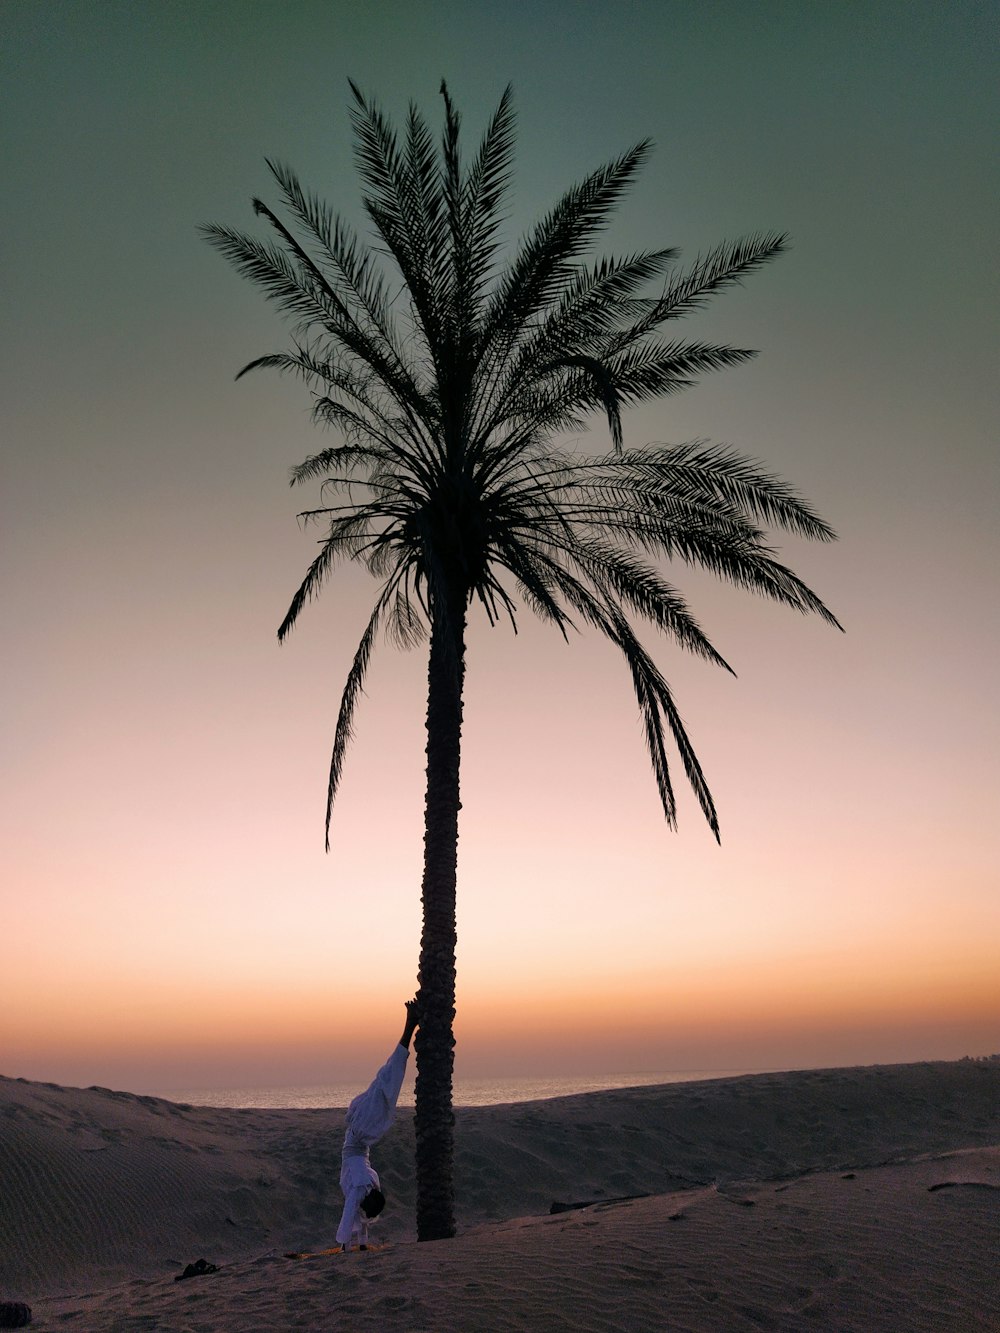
point(435, 1043)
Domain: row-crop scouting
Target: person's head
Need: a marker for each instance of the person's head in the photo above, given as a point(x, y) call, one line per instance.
point(373, 1203)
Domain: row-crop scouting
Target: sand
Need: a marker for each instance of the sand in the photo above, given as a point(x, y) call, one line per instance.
point(846, 1199)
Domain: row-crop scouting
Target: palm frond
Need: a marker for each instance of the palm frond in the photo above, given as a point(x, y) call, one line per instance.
point(348, 702)
point(268, 267)
point(654, 695)
point(370, 347)
point(405, 626)
point(543, 266)
point(652, 371)
point(728, 550)
point(639, 586)
point(592, 307)
point(281, 361)
point(724, 266)
point(354, 270)
point(533, 572)
point(380, 166)
point(311, 584)
point(397, 206)
point(718, 470)
point(340, 458)
point(483, 195)
point(604, 386)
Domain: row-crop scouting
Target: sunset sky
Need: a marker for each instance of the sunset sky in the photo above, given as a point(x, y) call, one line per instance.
point(168, 916)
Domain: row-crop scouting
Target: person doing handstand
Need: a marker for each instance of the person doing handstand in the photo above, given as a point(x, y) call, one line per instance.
point(369, 1117)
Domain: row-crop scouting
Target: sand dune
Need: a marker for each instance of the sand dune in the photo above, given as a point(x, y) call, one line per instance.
point(845, 1199)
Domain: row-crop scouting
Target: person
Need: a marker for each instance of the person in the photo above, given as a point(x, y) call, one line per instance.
point(369, 1117)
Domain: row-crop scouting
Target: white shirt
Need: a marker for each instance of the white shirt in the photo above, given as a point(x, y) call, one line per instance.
point(369, 1117)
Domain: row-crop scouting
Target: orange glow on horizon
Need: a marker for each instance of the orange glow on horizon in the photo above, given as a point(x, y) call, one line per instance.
point(699, 1018)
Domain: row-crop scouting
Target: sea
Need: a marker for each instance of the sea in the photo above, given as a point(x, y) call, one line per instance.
point(466, 1091)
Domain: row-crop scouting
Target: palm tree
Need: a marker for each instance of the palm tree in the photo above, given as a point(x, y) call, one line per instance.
point(449, 387)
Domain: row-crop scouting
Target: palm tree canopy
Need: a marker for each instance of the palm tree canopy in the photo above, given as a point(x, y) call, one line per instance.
point(452, 379)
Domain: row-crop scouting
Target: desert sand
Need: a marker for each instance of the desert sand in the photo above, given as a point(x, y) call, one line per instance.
point(844, 1199)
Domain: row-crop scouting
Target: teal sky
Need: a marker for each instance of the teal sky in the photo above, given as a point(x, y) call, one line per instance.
point(164, 762)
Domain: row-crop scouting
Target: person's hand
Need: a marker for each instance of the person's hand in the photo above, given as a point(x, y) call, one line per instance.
point(412, 1020)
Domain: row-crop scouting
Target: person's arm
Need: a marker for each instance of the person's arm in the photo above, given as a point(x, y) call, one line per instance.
point(372, 1112)
point(349, 1217)
point(412, 1022)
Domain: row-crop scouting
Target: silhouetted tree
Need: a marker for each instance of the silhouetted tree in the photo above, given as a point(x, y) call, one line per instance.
point(449, 385)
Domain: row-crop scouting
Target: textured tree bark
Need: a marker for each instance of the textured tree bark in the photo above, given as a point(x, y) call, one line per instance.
point(435, 1043)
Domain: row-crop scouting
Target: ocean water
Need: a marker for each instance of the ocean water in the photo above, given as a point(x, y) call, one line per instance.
point(467, 1091)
